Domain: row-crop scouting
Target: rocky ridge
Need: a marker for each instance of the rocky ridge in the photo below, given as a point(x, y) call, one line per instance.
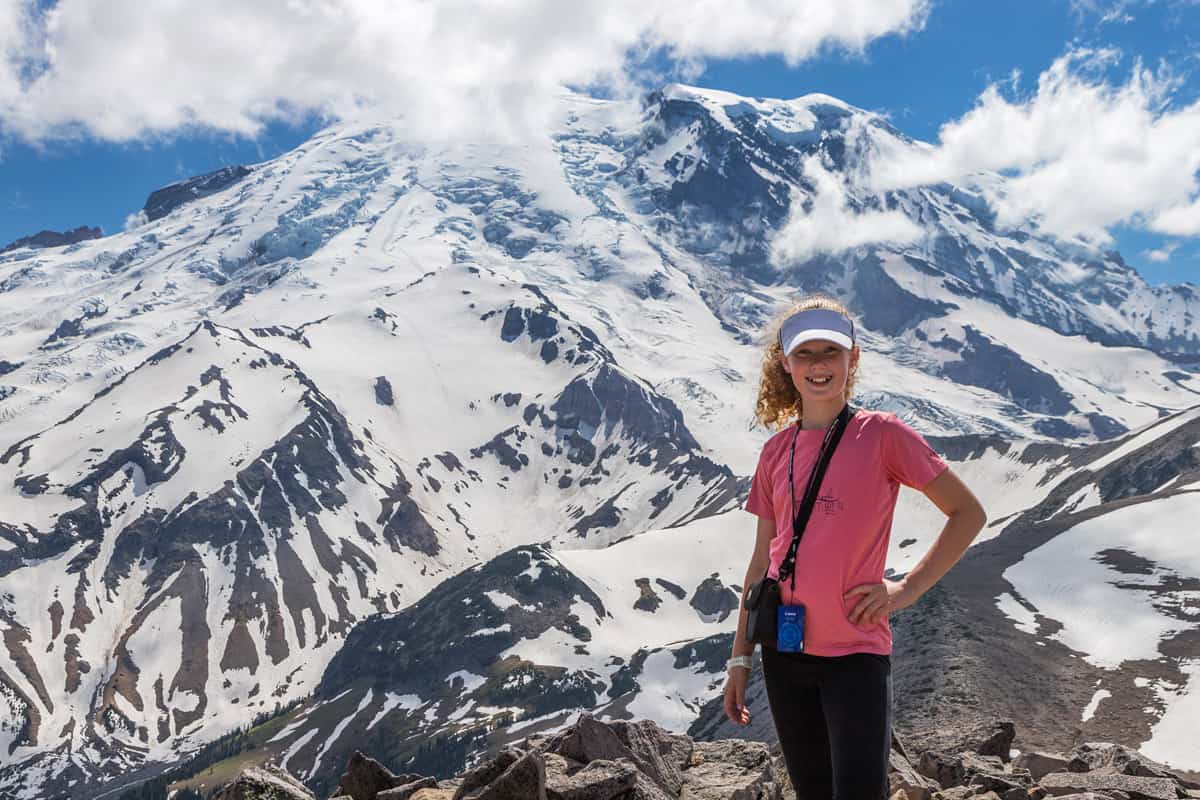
point(638, 760)
point(43, 239)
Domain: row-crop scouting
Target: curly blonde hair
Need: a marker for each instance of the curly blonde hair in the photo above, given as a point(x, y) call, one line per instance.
point(778, 401)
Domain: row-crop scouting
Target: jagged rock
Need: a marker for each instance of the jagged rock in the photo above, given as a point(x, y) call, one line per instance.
point(647, 789)
point(165, 200)
point(264, 783)
point(54, 238)
point(714, 599)
point(1001, 783)
point(957, 769)
point(648, 599)
point(1136, 786)
point(985, 739)
point(486, 773)
point(558, 768)
point(408, 790)
point(662, 755)
point(903, 777)
point(365, 777)
point(1015, 793)
point(588, 740)
point(1040, 764)
point(954, 793)
point(730, 768)
point(599, 780)
point(525, 779)
point(1111, 758)
point(779, 774)
point(433, 794)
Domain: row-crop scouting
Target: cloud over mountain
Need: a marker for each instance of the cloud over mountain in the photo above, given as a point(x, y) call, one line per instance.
point(124, 70)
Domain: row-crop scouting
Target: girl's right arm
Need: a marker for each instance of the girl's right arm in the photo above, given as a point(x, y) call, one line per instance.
point(738, 677)
point(754, 573)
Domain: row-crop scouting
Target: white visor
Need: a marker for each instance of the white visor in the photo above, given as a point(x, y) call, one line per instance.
point(816, 324)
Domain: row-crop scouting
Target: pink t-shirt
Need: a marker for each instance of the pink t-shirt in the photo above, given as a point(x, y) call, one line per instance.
point(846, 540)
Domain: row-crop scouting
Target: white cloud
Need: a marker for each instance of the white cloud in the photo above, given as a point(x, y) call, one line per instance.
point(1082, 153)
point(123, 69)
point(1162, 254)
point(830, 225)
point(135, 220)
point(15, 35)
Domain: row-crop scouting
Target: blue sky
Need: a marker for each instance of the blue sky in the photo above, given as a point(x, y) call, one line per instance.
point(921, 80)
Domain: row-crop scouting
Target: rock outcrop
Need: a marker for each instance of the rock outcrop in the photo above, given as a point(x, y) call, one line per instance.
point(264, 783)
point(638, 760)
point(43, 239)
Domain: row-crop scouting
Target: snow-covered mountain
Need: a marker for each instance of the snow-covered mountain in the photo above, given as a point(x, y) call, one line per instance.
point(310, 390)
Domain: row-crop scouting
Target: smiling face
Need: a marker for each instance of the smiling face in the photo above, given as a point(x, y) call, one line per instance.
point(819, 370)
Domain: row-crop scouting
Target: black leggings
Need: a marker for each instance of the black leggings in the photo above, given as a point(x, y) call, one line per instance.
point(833, 715)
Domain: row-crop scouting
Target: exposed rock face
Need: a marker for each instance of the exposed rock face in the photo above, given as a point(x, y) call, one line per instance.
point(1137, 788)
point(983, 738)
point(713, 598)
point(54, 238)
point(264, 783)
point(365, 778)
point(732, 768)
point(1115, 759)
point(165, 200)
point(638, 760)
point(1040, 764)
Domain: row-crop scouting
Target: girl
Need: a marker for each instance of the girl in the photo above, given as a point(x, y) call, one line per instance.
point(832, 700)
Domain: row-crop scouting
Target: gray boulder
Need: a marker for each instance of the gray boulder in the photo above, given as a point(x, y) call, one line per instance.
point(1060, 784)
point(959, 769)
point(731, 769)
point(660, 754)
point(985, 739)
point(1106, 757)
point(599, 780)
point(1002, 782)
point(954, 793)
point(525, 779)
point(264, 783)
point(487, 772)
point(365, 777)
point(407, 791)
point(1040, 764)
point(590, 740)
point(903, 777)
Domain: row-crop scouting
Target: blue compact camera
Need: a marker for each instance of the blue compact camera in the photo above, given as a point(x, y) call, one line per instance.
point(790, 629)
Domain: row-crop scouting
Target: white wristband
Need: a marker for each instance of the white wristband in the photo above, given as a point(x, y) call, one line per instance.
point(739, 661)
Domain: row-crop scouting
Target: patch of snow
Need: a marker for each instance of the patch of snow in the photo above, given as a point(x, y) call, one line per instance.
point(470, 680)
point(1090, 710)
point(407, 702)
point(1022, 617)
point(1175, 738)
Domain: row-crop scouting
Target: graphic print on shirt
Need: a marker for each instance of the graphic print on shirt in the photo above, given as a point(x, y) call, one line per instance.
point(829, 505)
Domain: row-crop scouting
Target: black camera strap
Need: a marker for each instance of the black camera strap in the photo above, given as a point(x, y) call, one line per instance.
point(800, 519)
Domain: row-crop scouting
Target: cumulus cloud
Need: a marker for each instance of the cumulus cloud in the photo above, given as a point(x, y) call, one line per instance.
point(124, 69)
point(1082, 153)
point(1162, 254)
point(831, 225)
point(135, 220)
